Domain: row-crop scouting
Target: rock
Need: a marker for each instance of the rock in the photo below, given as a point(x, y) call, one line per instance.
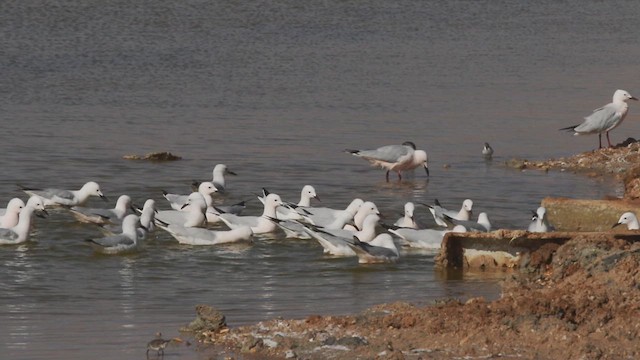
point(155, 156)
point(208, 319)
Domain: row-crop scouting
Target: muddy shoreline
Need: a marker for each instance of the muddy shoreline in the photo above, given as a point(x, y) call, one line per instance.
point(578, 300)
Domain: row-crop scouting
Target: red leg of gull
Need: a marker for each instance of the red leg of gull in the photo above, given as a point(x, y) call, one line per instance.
point(399, 176)
point(387, 175)
point(609, 141)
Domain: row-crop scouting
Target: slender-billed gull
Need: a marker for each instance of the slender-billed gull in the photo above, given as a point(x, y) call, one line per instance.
point(19, 233)
point(177, 201)
point(381, 249)
point(58, 197)
point(213, 215)
point(288, 212)
point(9, 217)
point(539, 221)
point(192, 213)
point(487, 151)
point(438, 212)
point(606, 118)
point(482, 225)
point(336, 241)
point(103, 216)
point(419, 238)
point(396, 158)
point(200, 236)
point(408, 220)
point(258, 224)
point(367, 208)
point(126, 241)
point(630, 220)
point(219, 171)
point(331, 218)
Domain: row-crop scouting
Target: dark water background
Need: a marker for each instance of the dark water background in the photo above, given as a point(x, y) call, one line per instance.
point(276, 90)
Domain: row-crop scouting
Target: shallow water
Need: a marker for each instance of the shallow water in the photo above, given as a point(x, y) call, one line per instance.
point(276, 90)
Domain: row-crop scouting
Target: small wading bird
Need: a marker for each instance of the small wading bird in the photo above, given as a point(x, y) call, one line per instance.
point(604, 119)
point(159, 344)
point(396, 158)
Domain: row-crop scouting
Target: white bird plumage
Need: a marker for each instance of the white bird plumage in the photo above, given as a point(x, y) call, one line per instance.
point(58, 197)
point(606, 118)
point(396, 158)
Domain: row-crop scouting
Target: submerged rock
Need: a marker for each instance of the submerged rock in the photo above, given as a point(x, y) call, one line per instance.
point(154, 156)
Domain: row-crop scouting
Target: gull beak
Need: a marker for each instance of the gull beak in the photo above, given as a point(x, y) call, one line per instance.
point(616, 224)
point(231, 172)
point(184, 206)
point(634, 98)
point(426, 169)
point(41, 213)
point(317, 198)
point(104, 198)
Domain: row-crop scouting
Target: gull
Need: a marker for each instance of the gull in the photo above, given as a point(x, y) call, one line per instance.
point(147, 221)
point(20, 232)
point(103, 216)
point(423, 238)
point(438, 212)
point(219, 171)
point(14, 207)
point(407, 221)
point(9, 217)
point(482, 225)
point(57, 197)
point(606, 118)
point(213, 215)
point(200, 236)
point(336, 241)
point(331, 218)
point(289, 213)
point(218, 176)
point(367, 208)
point(177, 201)
point(192, 213)
point(539, 221)
point(126, 241)
point(381, 249)
point(396, 158)
point(487, 150)
point(258, 224)
point(630, 220)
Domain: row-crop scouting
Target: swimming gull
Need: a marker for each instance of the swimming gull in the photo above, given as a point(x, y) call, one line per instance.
point(396, 158)
point(58, 197)
point(606, 118)
point(482, 225)
point(126, 241)
point(200, 236)
point(20, 232)
point(331, 218)
point(258, 224)
point(539, 221)
point(630, 220)
point(438, 212)
point(487, 151)
point(177, 201)
point(103, 216)
point(408, 220)
point(9, 217)
point(192, 213)
point(381, 249)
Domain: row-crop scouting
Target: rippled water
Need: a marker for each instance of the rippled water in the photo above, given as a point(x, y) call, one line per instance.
point(276, 90)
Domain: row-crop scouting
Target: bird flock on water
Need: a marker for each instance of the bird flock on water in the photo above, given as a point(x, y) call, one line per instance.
point(197, 219)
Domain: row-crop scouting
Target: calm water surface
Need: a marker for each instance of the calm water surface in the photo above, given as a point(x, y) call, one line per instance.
point(276, 90)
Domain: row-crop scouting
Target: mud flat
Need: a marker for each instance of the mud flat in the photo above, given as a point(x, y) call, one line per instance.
point(574, 295)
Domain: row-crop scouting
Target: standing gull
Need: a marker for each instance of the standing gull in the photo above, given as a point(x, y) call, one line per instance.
point(396, 158)
point(606, 118)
